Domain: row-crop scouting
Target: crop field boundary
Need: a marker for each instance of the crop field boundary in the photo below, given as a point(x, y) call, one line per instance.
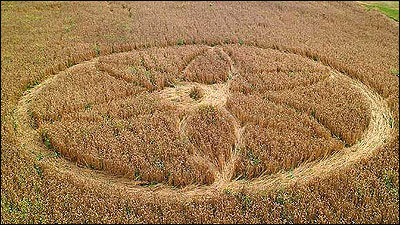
point(378, 133)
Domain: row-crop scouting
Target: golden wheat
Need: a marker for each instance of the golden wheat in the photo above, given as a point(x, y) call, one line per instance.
point(176, 112)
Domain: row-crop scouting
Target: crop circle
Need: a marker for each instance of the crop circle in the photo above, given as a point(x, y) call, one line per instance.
point(198, 115)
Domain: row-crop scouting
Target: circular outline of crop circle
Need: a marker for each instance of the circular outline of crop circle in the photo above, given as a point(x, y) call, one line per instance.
point(374, 137)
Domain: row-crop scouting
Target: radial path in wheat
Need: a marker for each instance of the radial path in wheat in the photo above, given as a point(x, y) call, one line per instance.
point(202, 118)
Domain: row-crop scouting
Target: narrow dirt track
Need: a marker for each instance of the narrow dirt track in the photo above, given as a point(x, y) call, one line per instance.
point(377, 134)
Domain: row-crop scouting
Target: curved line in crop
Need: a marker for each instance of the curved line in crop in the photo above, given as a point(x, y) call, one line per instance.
point(376, 135)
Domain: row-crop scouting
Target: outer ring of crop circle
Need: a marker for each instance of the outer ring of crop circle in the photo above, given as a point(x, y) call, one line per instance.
point(68, 168)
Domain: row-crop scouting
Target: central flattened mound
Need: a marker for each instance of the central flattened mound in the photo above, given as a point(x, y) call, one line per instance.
point(194, 114)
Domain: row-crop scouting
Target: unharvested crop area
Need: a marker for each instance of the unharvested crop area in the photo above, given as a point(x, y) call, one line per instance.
point(216, 112)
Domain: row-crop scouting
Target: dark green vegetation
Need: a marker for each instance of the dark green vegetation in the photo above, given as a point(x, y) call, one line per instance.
point(389, 8)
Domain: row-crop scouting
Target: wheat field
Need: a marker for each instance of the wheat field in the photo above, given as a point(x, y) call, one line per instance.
point(199, 112)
